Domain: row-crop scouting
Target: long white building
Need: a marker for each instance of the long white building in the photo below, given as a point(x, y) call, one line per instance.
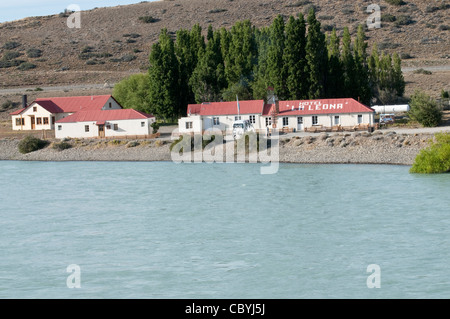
point(305, 115)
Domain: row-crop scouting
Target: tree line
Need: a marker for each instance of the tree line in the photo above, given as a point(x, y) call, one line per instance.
point(294, 57)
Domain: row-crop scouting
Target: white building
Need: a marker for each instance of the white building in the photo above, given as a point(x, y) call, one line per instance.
point(104, 124)
point(306, 115)
point(43, 113)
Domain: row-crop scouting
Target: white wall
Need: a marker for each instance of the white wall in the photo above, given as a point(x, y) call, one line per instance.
point(125, 128)
point(111, 104)
point(197, 124)
point(40, 113)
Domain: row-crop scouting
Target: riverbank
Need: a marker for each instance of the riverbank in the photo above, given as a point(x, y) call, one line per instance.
point(357, 148)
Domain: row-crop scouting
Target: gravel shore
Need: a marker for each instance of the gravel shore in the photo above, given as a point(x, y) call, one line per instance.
point(356, 148)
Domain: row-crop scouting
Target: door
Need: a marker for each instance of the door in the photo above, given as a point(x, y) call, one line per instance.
point(300, 123)
point(33, 122)
point(101, 131)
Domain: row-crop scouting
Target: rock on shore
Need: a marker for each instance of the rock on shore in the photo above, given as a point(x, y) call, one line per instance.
point(356, 147)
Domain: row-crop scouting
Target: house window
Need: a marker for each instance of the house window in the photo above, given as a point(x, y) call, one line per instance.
point(39, 120)
point(86, 128)
point(216, 121)
point(268, 121)
point(20, 121)
point(116, 127)
point(108, 126)
point(237, 118)
point(142, 124)
point(110, 105)
point(360, 118)
point(337, 120)
point(252, 119)
point(53, 120)
point(315, 120)
point(45, 120)
point(285, 121)
point(59, 127)
point(34, 108)
point(188, 125)
point(300, 120)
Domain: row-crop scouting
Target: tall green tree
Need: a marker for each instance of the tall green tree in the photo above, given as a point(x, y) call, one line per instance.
point(348, 65)
point(276, 71)
point(164, 78)
point(362, 78)
point(316, 56)
point(335, 85)
point(241, 56)
point(294, 59)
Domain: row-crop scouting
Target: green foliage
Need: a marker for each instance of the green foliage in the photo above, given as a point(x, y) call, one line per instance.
point(61, 146)
point(133, 92)
point(31, 144)
point(155, 127)
point(425, 110)
point(422, 71)
point(444, 94)
point(435, 158)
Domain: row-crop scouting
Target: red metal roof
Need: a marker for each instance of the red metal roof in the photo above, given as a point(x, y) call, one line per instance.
point(317, 107)
point(226, 108)
point(101, 116)
point(17, 112)
point(70, 104)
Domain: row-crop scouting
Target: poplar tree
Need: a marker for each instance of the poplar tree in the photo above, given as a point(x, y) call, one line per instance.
point(335, 85)
point(316, 57)
point(164, 78)
point(348, 65)
point(276, 71)
point(294, 58)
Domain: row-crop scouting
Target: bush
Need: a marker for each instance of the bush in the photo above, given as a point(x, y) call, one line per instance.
point(422, 71)
point(133, 144)
point(386, 17)
point(444, 27)
point(148, 19)
point(61, 146)
point(424, 110)
point(9, 105)
point(403, 20)
point(26, 66)
point(11, 45)
point(217, 10)
point(435, 158)
point(155, 126)
point(31, 144)
point(11, 55)
point(34, 53)
point(395, 2)
point(128, 58)
point(444, 94)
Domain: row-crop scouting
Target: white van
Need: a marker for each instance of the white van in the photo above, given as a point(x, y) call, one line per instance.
point(241, 127)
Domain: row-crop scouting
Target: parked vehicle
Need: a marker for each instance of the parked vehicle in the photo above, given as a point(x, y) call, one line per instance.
point(241, 127)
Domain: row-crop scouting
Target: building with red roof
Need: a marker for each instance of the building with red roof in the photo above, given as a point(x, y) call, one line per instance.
point(321, 114)
point(81, 116)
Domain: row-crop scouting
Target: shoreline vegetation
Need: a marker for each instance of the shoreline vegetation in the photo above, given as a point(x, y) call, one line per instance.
point(326, 148)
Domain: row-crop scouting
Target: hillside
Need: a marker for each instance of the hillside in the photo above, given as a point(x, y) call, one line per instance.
point(114, 42)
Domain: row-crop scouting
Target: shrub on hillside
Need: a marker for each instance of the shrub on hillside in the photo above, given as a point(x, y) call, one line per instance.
point(11, 45)
point(424, 110)
point(34, 53)
point(31, 144)
point(26, 66)
point(148, 19)
point(434, 159)
point(395, 2)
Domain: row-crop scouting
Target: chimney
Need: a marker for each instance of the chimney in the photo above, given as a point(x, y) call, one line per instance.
point(24, 101)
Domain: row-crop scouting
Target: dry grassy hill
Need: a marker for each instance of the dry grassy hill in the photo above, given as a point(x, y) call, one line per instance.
point(114, 42)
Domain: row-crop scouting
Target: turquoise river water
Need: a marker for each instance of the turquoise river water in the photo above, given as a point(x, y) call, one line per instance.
point(166, 230)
